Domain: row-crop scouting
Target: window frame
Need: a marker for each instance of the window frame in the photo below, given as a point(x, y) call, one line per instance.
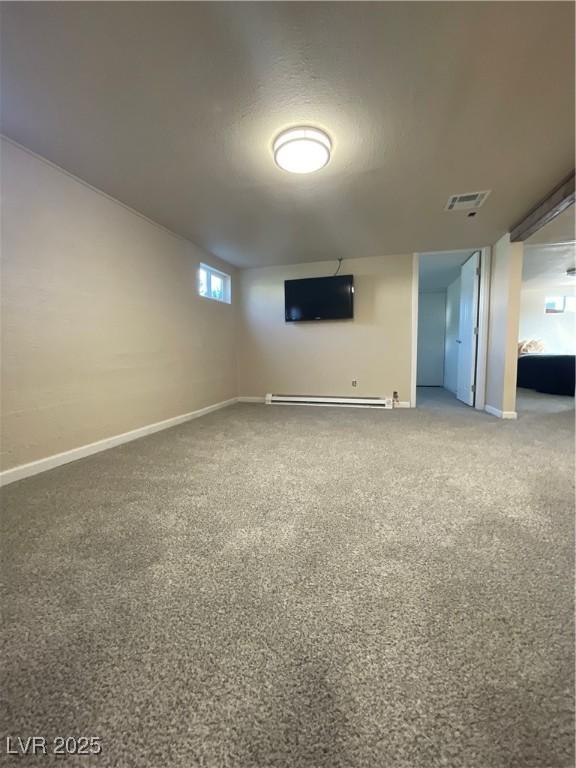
point(554, 305)
point(226, 283)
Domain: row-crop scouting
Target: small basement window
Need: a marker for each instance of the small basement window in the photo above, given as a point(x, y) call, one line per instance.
point(556, 305)
point(214, 284)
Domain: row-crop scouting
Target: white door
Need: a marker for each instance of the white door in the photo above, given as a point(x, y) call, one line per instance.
point(468, 328)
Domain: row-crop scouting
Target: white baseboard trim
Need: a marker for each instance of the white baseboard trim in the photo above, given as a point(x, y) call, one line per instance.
point(57, 460)
point(500, 414)
point(403, 404)
point(50, 462)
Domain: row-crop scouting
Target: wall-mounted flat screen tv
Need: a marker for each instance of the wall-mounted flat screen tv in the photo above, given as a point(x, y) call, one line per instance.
point(319, 298)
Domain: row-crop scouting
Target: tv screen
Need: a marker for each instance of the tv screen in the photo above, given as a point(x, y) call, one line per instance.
point(319, 298)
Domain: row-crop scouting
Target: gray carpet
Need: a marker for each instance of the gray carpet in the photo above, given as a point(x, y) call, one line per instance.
point(300, 587)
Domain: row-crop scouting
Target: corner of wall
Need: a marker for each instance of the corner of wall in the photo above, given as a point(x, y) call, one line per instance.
point(503, 323)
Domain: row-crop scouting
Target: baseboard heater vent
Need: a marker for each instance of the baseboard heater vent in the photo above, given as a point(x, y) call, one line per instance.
point(342, 402)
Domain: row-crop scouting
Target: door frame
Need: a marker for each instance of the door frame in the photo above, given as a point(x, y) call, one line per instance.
point(483, 313)
point(483, 316)
point(414, 355)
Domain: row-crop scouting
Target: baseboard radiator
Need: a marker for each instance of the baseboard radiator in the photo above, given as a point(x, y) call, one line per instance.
point(342, 402)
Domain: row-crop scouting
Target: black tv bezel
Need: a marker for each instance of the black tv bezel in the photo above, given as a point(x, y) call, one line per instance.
point(321, 319)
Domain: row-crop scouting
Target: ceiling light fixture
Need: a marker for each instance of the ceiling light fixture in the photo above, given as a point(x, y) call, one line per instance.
point(302, 150)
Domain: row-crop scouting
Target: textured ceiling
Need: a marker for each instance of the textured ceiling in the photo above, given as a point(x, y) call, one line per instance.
point(546, 265)
point(549, 253)
point(172, 108)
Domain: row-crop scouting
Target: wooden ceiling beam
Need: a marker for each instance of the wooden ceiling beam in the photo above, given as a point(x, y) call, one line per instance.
point(558, 200)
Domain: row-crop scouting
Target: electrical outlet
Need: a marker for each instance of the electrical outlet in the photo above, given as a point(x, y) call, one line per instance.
point(354, 382)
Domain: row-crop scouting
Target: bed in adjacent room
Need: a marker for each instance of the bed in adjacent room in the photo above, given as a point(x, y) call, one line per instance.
point(552, 374)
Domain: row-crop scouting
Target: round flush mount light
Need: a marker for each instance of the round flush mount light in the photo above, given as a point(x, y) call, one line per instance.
point(302, 150)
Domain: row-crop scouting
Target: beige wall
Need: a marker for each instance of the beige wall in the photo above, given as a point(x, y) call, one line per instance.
point(102, 328)
point(502, 357)
point(322, 358)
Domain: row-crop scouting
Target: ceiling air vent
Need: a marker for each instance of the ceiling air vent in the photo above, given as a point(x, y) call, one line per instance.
point(470, 201)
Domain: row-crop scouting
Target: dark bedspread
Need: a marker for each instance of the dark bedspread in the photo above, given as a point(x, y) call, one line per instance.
point(553, 374)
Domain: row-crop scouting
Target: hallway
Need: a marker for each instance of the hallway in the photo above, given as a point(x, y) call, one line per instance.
point(438, 398)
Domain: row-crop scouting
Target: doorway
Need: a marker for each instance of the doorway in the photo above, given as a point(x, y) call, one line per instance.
point(547, 319)
point(451, 328)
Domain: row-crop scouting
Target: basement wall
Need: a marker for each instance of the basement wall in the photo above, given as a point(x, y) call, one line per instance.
point(431, 338)
point(324, 357)
point(556, 331)
point(103, 330)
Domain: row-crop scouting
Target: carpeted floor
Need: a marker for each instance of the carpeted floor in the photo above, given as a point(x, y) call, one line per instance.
point(530, 402)
point(292, 587)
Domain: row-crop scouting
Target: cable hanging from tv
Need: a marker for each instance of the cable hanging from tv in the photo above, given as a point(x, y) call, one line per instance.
point(338, 267)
